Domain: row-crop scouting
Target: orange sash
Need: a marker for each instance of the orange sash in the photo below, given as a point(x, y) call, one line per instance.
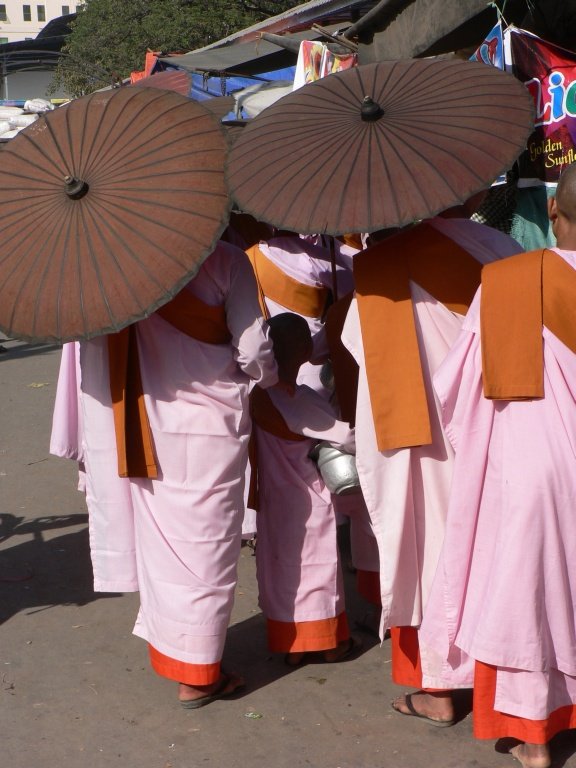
point(187, 314)
point(344, 366)
point(353, 239)
point(520, 295)
point(274, 284)
point(265, 414)
point(382, 275)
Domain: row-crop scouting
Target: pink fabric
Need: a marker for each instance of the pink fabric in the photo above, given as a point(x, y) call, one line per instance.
point(66, 436)
point(344, 253)
point(310, 265)
point(180, 534)
point(505, 591)
point(363, 544)
point(108, 497)
point(406, 490)
point(298, 568)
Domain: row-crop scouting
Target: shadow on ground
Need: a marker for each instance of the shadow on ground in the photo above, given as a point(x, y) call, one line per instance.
point(246, 644)
point(44, 571)
point(10, 350)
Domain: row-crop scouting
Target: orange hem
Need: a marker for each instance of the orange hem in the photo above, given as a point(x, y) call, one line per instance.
point(406, 666)
point(182, 671)
point(298, 636)
point(368, 586)
point(490, 724)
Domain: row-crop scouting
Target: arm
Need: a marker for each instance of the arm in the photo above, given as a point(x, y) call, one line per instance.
point(252, 347)
point(308, 414)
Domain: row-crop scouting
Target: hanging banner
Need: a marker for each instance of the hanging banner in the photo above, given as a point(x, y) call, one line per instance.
point(316, 60)
point(549, 73)
point(491, 51)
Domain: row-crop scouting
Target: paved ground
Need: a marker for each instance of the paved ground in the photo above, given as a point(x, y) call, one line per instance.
point(75, 687)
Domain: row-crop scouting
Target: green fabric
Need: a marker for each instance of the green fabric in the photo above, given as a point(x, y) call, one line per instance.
point(530, 224)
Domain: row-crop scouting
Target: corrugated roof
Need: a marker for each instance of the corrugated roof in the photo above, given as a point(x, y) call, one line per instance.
point(246, 58)
point(245, 53)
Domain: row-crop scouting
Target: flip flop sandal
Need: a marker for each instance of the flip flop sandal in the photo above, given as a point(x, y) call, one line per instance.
point(219, 693)
point(352, 648)
point(318, 657)
point(413, 713)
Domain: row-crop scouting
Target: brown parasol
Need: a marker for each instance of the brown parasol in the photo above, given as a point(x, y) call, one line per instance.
point(109, 206)
point(380, 145)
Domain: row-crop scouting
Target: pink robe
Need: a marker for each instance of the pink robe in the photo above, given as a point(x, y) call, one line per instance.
point(298, 568)
point(505, 590)
point(177, 538)
point(406, 490)
point(310, 265)
point(66, 435)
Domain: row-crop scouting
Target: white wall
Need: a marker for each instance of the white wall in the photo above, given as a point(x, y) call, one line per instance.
point(15, 28)
point(29, 85)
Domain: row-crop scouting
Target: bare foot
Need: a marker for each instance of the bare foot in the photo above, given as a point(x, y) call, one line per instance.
point(197, 695)
point(332, 656)
point(342, 651)
point(532, 755)
point(295, 659)
point(436, 707)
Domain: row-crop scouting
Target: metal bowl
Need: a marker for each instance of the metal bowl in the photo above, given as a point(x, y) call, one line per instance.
point(338, 469)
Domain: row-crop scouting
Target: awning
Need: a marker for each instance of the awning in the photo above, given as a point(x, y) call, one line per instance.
point(252, 58)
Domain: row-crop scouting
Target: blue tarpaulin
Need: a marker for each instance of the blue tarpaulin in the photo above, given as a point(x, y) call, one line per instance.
point(206, 86)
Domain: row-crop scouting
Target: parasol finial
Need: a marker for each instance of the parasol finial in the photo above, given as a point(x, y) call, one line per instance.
point(370, 110)
point(75, 188)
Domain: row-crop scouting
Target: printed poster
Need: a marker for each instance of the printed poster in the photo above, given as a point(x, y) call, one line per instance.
point(549, 73)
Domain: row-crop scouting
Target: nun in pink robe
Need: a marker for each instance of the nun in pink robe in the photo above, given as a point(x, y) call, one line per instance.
point(406, 490)
point(180, 533)
point(505, 590)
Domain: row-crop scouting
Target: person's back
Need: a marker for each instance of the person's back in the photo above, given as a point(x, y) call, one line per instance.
point(195, 357)
point(412, 291)
point(179, 369)
point(505, 590)
point(302, 282)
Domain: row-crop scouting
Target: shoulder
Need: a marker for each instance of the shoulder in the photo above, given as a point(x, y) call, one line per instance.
point(468, 231)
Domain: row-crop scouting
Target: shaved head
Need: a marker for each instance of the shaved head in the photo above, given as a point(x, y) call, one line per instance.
point(292, 342)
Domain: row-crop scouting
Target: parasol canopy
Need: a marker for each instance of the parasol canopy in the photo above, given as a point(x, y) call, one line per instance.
point(109, 206)
point(176, 80)
point(380, 145)
point(181, 82)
